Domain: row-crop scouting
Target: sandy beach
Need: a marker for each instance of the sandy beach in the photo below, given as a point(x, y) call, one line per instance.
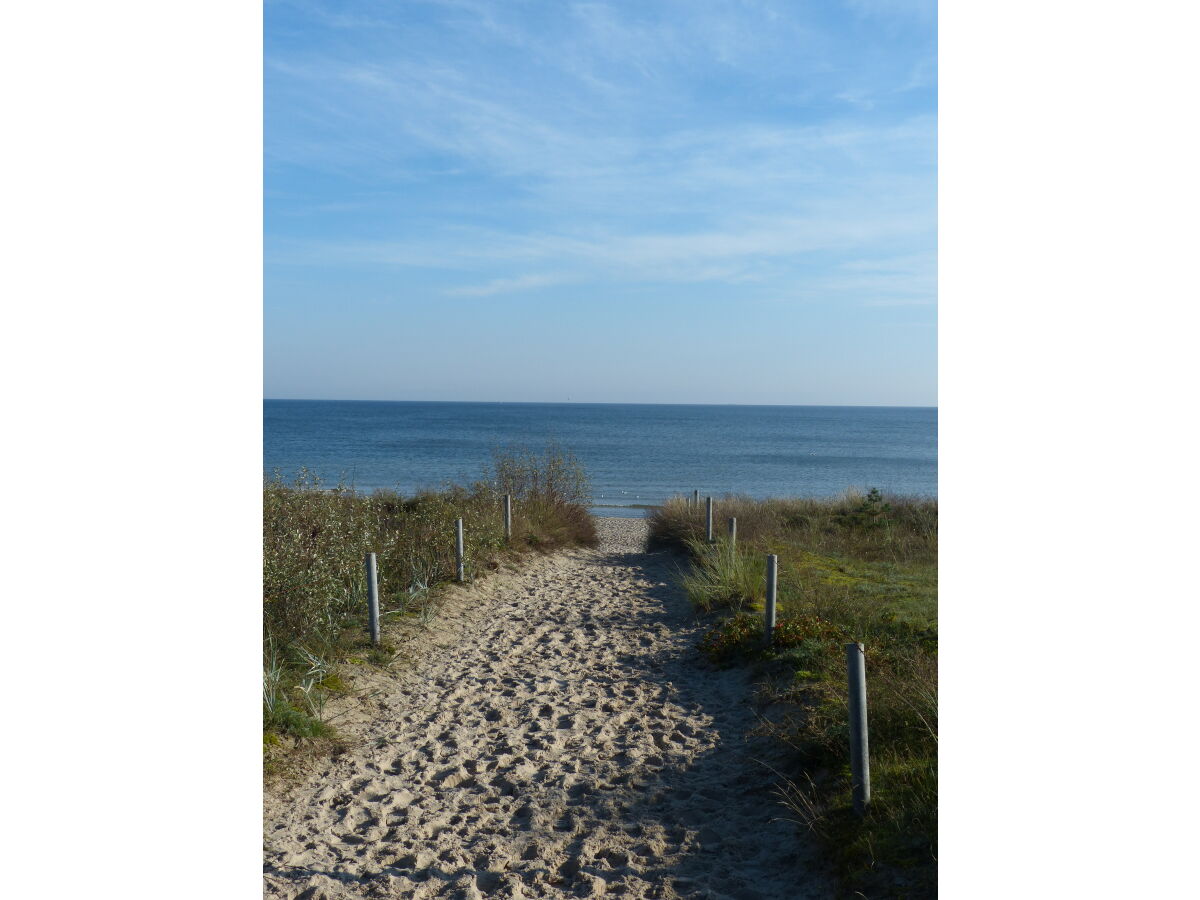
point(557, 736)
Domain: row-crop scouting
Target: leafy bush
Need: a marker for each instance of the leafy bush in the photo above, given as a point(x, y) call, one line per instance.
point(736, 637)
point(742, 636)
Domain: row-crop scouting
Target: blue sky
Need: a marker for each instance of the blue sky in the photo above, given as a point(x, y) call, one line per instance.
point(691, 202)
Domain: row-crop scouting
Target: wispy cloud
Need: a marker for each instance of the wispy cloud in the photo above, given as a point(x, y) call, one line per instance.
point(656, 254)
point(602, 155)
point(506, 285)
point(571, 138)
point(593, 90)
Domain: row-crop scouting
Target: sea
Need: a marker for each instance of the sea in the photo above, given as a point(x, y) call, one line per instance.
point(635, 455)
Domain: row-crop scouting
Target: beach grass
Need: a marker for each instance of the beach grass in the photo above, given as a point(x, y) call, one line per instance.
point(862, 567)
point(314, 585)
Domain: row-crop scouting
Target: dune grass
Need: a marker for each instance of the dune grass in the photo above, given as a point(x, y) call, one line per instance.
point(314, 584)
point(861, 568)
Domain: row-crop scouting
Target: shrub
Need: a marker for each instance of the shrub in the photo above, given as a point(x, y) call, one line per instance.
point(554, 476)
point(738, 636)
point(315, 540)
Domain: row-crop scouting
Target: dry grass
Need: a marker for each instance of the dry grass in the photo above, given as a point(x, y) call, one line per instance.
point(314, 584)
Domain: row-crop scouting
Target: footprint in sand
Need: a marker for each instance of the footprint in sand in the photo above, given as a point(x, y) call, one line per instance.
point(567, 742)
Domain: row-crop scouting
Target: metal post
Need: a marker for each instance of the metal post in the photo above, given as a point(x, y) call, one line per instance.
point(372, 597)
point(508, 517)
point(732, 533)
point(708, 520)
point(772, 591)
point(458, 548)
point(696, 499)
point(860, 763)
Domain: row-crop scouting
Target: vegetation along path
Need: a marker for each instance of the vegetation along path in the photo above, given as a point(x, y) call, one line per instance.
point(566, 741)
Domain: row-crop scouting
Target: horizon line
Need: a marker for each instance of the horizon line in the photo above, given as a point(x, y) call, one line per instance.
point(607, 403)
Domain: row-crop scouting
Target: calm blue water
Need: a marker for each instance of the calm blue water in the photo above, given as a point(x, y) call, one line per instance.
point(634, 454)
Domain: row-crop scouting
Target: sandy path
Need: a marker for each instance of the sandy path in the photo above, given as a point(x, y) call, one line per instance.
point(567, 742)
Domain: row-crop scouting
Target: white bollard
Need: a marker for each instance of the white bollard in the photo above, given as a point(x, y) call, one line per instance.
point(860, 762)
point(708, 520)
point(508, 517)
point(772, 592)
point(372, 597)
point(458, 548)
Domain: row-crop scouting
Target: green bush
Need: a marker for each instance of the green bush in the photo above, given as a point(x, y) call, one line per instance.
point(738, 636)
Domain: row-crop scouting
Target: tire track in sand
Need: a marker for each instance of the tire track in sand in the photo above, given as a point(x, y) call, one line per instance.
point(569, 743)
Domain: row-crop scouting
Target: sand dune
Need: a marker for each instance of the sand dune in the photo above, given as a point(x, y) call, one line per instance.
point(562, 739)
